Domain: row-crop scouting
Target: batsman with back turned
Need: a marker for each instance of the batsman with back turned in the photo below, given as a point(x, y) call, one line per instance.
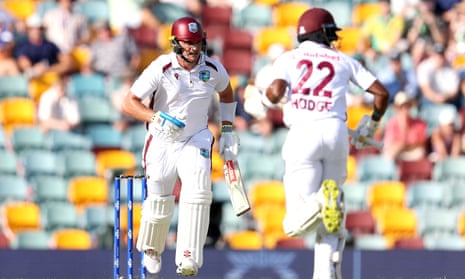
point(178, 144)
point(310, 83)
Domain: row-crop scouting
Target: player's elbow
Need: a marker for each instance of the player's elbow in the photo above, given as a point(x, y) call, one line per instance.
point(276, 90)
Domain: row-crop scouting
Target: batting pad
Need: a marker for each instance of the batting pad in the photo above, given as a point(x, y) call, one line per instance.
point(328, 254)
point(193, 220)
point(155, 223)
point(303, 221)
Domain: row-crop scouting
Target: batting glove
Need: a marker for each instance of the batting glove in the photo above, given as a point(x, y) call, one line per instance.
point(366, 129)
point(169, 125)
point(229, 141)
point(253, 104)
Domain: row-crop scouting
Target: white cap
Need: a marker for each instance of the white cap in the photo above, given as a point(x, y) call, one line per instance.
point(401, 98)
point(34, 21)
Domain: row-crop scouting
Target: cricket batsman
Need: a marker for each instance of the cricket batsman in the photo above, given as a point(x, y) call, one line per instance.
point(314, 80)
point(178, 144)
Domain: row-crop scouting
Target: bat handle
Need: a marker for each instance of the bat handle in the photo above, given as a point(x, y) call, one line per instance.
point(228, 154)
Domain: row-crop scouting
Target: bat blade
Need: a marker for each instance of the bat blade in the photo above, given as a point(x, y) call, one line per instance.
point(236, 189)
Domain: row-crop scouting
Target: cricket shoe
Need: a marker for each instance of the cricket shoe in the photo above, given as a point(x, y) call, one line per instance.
point(332, 212)
point(187, 267)
point(152, 261)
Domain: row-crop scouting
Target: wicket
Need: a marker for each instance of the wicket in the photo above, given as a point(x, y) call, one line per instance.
point(116, 228)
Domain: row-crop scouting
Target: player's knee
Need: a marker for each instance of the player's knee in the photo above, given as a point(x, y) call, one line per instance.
point(157, 208)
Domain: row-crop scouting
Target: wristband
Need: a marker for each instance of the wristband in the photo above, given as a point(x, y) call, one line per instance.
point(376, 115)
point(227, 111)
point(226, 128)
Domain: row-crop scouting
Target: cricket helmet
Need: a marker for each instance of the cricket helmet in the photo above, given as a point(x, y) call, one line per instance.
point(314, 22)
point(187, 29)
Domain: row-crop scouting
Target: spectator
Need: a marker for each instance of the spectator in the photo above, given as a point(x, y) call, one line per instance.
point(7, 21)
point(242, 119)
point(8, 65)
point(57, 111)
point(405, 137)
point(426, 25)
point(396, 77)
point(437, 79)
point(457, 28)
point(37, 55)
point(117, 98)
point(384, 30)
point(111, 54)
point(446, 138)
point(65, 28)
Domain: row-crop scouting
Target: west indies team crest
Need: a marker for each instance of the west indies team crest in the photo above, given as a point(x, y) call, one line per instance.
point(204, 75)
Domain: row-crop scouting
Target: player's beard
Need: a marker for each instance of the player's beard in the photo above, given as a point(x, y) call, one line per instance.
point(191, 56)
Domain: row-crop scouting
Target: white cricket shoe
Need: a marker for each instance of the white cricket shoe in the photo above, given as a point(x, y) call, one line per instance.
point(152, 261)
point(332, 212)
point(188, 267)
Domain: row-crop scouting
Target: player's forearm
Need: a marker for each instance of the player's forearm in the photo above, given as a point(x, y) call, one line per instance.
point(133, 106)
point(276, 90)
point(381, 100)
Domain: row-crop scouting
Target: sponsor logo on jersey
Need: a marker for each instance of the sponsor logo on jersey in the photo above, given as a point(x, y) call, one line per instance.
point(204, 76)
point(204, 152)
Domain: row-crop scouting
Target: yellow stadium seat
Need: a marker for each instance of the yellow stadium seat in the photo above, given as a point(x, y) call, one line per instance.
point(461, 224)
point(267, 2)
point(81, 56)
point(136, 215)
point(268, 36)
point(398, 223)
point(244, 240)
point(72, 239)
point(386, 195)
point(147, 56)
point(88, 190)
point(164, 33)
point(269, 192)
point(350, 40)
point(217, 167)
point(363, 10)
point(38, 85)
point(20, 9)
point(17, 112)
point(21, 216)
point(355, 114)
point(115, 161)
point(351, 169)
point(270, 224)
point(459, 62)
point(287, 14)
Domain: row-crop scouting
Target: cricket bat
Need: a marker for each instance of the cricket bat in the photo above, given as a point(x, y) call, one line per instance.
point(369, 141)
point(236, 189)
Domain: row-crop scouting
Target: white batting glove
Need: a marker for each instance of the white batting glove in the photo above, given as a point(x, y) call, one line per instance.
point(366, 128)
point(253, 104)
point(229, 141)
point(169, 125)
